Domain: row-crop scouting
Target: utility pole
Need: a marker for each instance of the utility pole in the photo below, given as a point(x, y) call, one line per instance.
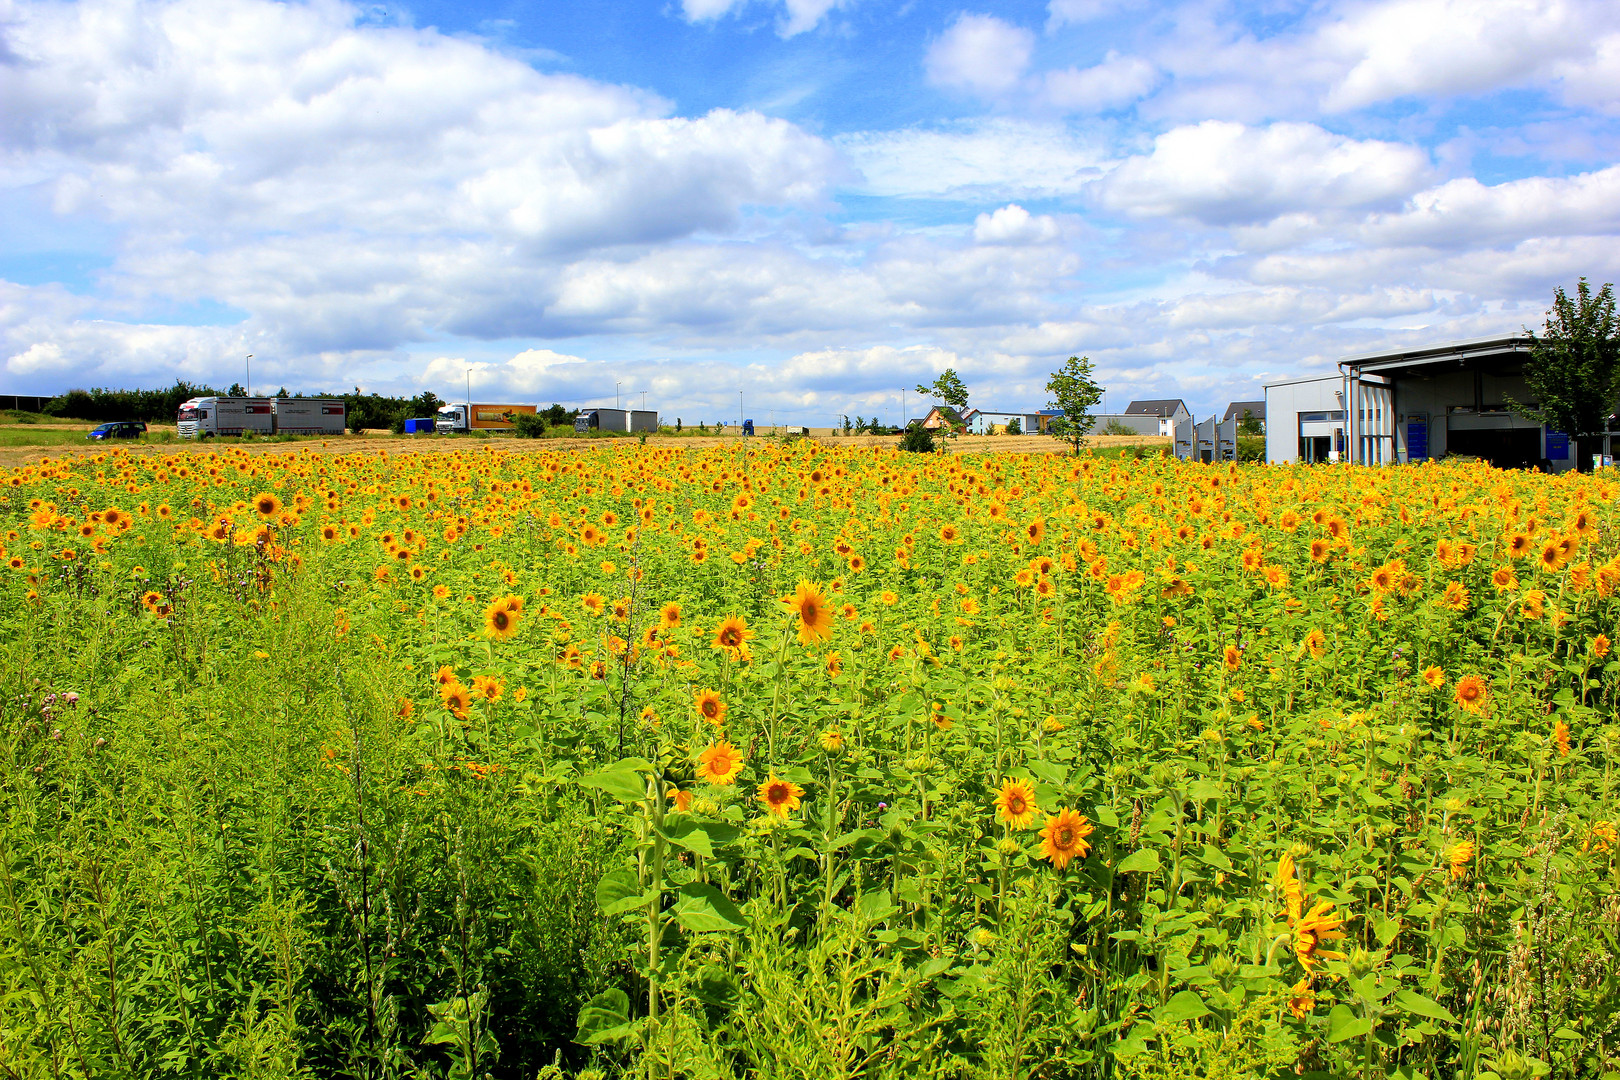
point(248, 363)
point(739, 411)
point(644, 401)
point(469, 398)
point(616, 386)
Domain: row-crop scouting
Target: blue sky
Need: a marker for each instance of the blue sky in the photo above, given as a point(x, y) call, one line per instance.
point(813, 202)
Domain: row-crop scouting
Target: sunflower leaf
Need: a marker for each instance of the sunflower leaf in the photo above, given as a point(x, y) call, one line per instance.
point(624, 784)
point(702, 907)
point(605, 1018)
point(618, 891)
point(1422, 1006)
point(1183, 1005)
point(1140, 861)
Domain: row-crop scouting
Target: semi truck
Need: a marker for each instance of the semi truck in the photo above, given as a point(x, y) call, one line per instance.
point(207, 417)
point(480, 417)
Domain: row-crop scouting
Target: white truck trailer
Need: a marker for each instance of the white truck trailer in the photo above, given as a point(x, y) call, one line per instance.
point(206, 417)
point(310, 416)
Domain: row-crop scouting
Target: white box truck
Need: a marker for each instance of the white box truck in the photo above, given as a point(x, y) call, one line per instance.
point(310, 416)
point(206, 417)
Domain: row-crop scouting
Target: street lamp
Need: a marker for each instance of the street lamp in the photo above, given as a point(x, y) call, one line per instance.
point(247, 363)
point(644, 401)
point(616, 386)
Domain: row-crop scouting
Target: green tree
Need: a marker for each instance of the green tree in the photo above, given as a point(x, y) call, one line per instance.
point(1574, 369)
point(1250, 424)
point(948, 388)
point(1074, 392)
point(1015, 426)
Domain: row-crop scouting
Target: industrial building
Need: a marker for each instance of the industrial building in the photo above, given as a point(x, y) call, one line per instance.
point(1414, 405)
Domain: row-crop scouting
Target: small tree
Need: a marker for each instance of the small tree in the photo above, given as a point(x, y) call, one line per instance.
point(1074, 392)
point(1015, 426)
point(1574, 369)
point(1250, 424)
point(917, 439)
point(949, 389)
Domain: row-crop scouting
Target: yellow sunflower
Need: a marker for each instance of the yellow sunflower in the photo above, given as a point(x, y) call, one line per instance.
point(779, 796)
point(1015, 803)
point(809, 603)
point(1064, 837)
point(711, 708)
point(720, 764)
point(500, 621)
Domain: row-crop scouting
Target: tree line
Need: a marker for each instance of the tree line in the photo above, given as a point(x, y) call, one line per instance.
point(102, 404)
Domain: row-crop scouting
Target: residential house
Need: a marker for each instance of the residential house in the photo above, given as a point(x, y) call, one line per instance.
point(993, 422)
point(1155, 416)
point(1241, 410)
point(942, 417)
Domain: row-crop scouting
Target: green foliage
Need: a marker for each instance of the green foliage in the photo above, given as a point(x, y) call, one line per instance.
point(1250, 424)
point(1074, 393)
point(1573, 371)
point(1116, 426)
point(1015, 426)
point(1251, 448)
point(948, 388)
point(917, 439)
point(532, 425)
point(245, 832)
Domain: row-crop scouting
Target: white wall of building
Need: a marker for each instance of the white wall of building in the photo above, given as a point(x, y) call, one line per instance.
point(1310, 407)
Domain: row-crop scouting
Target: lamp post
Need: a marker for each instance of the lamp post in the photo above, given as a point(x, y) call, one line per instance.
point(616, 386)
point(247, 363)
point(644, 401)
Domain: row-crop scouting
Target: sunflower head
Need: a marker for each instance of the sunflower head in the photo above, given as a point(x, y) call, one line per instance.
point(1015, 803)
point(719, 764)
point(1471, 693)
point(732, 635)
point(711, 708)
point(779, 796)
point(809, 603)
point(1063, 838)
point(500, 621)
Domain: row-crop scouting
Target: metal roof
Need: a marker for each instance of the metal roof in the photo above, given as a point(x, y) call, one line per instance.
point(1457, 352)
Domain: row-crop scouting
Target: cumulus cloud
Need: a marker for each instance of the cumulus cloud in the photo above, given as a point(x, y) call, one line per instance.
point(1117, 81)
point(980, 54)
point(1407, 47)
point(1012, 224)
point(1219, 172)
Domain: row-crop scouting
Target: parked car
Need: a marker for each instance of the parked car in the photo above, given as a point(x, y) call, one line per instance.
point(118, 429)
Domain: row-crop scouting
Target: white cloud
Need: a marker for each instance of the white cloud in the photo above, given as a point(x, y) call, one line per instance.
point(980, 54)
point(1012, 224)
point(991, 159)
point(1408, 47)
point(1061, 12)
point(1466, 213)
point(798, 15)
point(1219, 173)
point(1117, 81)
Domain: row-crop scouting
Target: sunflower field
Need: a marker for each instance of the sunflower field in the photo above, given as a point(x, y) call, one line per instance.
point(790, 761)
